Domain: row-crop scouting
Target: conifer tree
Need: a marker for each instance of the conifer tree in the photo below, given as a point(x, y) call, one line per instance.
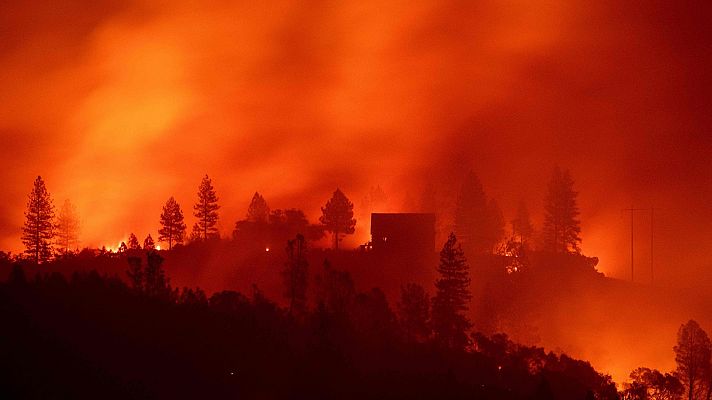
point(133, 242)
point(334, 289)
point(295, 275)
point(414, 312)
point(206, 209)
point(155, 281)
point(173, 226)
point(478, 220)
point(195, 234)
point(258, 210)
point(148, 243)
point(692, 355)
point(338, 216)
point(67, 227)
point(450, 304)
point(135, 273)
point(522, 227)
point(562, 228)
point(38, 231)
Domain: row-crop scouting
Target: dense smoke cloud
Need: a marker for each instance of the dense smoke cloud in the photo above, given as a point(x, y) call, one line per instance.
point(119, 105)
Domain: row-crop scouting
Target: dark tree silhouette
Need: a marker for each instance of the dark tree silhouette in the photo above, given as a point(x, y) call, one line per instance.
point(258, 211)
point(338, 216)
point(156, 283)
point(169, 343)
point(543, 391)
point(478, 221)
point(562, 228)
point(135, 273)
point(195, 234)
point(133, 242)
point(122, 247)
point(67, 228)
point(295, 276)
point(173, 226)
point(450, 304)
point(38, 232)
point(522, 227)
point(692, 355)
point(372, 317)
point(206, 209)
point(148, 243)
point(335, 289)
point(152, 280)
point(414, 312)
point(652, 384)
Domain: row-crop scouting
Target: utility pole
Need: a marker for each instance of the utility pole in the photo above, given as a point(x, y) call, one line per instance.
point(632, 252)
point(652, 235)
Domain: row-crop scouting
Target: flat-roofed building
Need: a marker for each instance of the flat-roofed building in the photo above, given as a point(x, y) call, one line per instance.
point(403, 233)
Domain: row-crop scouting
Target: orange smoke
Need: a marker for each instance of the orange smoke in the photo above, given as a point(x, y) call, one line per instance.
point(120, 105)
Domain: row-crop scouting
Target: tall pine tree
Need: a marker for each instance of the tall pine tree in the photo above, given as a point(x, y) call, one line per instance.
point(206, 209)
point(562, 228)
point(38, 231)
point(173, 226)
point(148, 243)
point(450, 304)
point(67, 228)
point(133, 242)
point(478, 220)
point(414, 312)
point(258, 210)
point(295, 275)
point(338, 216)
point(522, 227)
point(692, 355)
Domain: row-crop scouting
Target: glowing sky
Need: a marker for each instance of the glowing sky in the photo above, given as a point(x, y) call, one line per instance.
point(119, 105)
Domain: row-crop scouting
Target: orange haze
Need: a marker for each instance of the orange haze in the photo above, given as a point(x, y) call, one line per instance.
point(121, 104)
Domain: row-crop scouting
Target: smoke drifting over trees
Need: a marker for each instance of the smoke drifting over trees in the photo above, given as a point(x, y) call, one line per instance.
point(460, 109)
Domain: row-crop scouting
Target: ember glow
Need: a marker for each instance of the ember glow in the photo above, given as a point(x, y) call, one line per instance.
point(120, 105)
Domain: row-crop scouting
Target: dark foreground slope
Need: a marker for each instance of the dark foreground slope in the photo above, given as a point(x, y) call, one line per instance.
point(92, 336)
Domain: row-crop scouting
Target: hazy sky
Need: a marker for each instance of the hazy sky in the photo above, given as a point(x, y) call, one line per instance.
point(121, 104)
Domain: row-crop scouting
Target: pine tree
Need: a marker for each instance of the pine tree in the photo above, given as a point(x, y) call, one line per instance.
point(67, 227)
point(414, 312)
point(338, 216)
point(206, 209)
point(38, 231)
point(450, 304)
point(133, 242)
point(561, 227)
point(295, 275)
point(155, 283)
point(173, 227)
point(195, 234)
point(148, 243)
point(135, 273)
point(478, 220)
point(258, 210)
point(335, 290)
point(692, 355)
point(522, 227)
